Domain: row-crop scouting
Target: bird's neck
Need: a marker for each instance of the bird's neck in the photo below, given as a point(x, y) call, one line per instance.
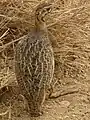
point(40, 26)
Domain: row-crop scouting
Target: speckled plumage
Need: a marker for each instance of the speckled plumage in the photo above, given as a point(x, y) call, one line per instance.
point(34, 63)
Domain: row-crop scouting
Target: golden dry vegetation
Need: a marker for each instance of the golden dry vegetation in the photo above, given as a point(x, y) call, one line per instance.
point(69, 31)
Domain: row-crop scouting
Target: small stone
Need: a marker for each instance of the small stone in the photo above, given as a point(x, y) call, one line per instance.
point(64, 103)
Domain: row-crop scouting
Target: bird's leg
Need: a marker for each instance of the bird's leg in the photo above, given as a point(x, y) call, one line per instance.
point(25, 105)
point(51, 89)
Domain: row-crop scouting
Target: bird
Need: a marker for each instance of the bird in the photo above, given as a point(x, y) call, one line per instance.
point(34, 62)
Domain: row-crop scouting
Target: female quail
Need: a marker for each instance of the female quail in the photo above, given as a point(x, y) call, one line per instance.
point(34, 62)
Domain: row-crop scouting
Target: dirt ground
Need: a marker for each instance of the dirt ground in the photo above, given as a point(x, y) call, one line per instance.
point(69, 31)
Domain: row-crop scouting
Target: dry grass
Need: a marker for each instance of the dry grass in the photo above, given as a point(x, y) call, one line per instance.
point(69, 31)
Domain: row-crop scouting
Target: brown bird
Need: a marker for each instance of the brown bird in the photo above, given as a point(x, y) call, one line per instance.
point(34, 62)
